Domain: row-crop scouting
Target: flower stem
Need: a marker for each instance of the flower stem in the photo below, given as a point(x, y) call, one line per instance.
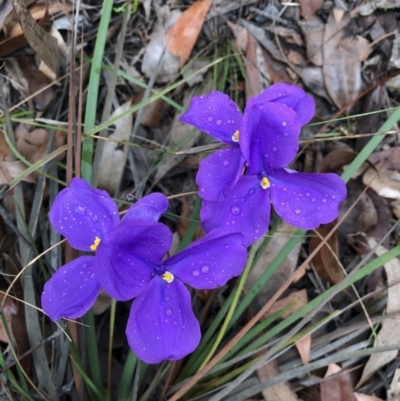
point(232, 308)
point(110, 346)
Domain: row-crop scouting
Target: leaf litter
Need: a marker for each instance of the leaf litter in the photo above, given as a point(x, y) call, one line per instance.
point(339, 52)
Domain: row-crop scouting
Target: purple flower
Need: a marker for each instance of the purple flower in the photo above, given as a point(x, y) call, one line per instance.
point(128, 263)
point(218, 116)
point(269, 140)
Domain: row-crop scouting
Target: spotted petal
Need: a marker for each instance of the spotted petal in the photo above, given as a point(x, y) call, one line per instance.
point(126, 258)
point(219, 172)
point(161, 324)
point(72, 290)
point(269, 136)
point(306, 200)
point(210, 261)
point(246, 209)
point(215, 114)
point(82, 213)
point(149, 208)
point(293, 97)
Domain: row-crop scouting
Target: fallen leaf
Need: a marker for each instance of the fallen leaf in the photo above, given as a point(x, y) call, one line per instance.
point(313, 30)
point(298, 298)
point(182, 36)
point(10, 310)
point(10, 170)
point(393, 393)
point(326, 260)
point(37, 81)
point(386, 159)
point(103, 302)
point(304, 347)
point(390, 330)
point(157, 60)
point(335, 160)
point(385, 183)
point(44, 45)
point(365, 397)
point(114, 155)
point(341, 64)
point(279, 392)
point(180, 134)
point(32, 144)
point(338, 387)
point(362, 216)
point(287, 267)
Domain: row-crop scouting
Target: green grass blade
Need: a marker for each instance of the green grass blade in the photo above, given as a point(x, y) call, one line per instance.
point(93, 88)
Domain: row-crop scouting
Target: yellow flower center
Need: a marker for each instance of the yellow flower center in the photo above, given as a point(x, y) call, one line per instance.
point(96, 243)
point(168, 277)
point(235, 136)
point(265, 183)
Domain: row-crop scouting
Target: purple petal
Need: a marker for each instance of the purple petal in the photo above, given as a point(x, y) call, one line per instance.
point(293, 97)
point(126, 258)
point(72, 290)
point(246, 209)
point(306, 200)
point(219, 172)
point(161, 324)
point(82, 213)
point(211, 261)
point(149, 208)
point(215, 114)
point(269, 136)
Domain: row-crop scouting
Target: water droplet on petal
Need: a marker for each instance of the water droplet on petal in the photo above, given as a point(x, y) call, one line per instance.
point(218, 122)
point(80, 210)
point(225, 163)
point(333, 196)
point(195, 273)
point(210, 119)
point(92, 275)
point(236, 209)
point(251, 191)
point(205, 268)
point(274, 149)
point(308, 194)
point(84, 266)
point(313, 200)
point(284, 123)
point(297, 211)
point(168, 311)
point(324, 200)
point(95, 218)
point(285, 134)
point(167, 298)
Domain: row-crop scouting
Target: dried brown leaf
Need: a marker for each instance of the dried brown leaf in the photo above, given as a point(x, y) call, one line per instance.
point(386, 159)
point(298, 298)
point(341, 63)
point(393, 393)
point(114, 156)
point(288, 266)
point(385, 183)
point(103, 302)
point(326, 261)
point(304, 348)
point(45, 46)
point(338, 387)
point(10, 310)
point(365, 397)
point(32, 144)
point(390, 331)
point(279, 392)
point(181, 38)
